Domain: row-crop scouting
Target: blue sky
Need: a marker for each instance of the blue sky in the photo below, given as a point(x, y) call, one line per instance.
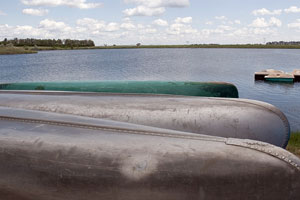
point(152, 21)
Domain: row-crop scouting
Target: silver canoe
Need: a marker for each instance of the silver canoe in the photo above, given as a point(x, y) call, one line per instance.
point(50, 156)
point(236, 118)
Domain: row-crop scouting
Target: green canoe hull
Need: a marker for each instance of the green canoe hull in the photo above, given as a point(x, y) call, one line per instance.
point(206, 89)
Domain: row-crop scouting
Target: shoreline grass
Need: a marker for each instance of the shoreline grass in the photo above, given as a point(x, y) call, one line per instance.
point(294, 144)
point(11, 50)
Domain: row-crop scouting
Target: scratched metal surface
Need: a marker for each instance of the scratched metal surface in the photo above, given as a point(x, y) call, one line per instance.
point(237, 118)
point(50, 156)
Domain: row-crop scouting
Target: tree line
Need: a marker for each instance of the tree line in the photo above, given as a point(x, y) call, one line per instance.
point(284, 43)
point(48, 42)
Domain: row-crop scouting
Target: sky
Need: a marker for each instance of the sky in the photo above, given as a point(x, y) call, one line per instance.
point(127, 22)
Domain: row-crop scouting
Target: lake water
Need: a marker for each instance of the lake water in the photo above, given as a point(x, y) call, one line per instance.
point(236, 66)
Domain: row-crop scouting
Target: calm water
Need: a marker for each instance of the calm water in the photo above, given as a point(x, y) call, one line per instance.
point(231, 65)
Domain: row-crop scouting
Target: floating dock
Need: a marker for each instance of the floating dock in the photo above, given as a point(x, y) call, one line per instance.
point(278, 76)
point(261, 75)
point(296, 74)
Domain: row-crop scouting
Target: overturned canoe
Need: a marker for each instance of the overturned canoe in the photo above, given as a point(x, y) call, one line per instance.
point(54, 156)
point(230, 118)
point(210, 89)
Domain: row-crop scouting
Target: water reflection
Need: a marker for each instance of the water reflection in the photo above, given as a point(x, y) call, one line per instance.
point(269, 84)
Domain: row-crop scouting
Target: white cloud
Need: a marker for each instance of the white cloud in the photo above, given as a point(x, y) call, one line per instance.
point(209, 32)
point(148, 31)
point(295, 25)
point(225, 28)
point(91, 24)
point(160, 22)
point(140, 26)
point(181, 29)
point(144, 11)
point(22, 32)
point(292, 9)
point(252, 33)
point(262, 31)
point(52, 25)
point(222, 30)
point(275, 22)
point(224, 20)
point(209, 23)
point(2, 13)
point(35, 12)
point(262, 23)
point(129, 32)
point(237, 21)
point(111, 27)
point(153, 7)
point(259, 22)
point(220, 17)
point(265, 11)
point(82, 4)
point(126, 19)
point(98, 26)
point(184, 20)
point(128, 26)
point(160, 3)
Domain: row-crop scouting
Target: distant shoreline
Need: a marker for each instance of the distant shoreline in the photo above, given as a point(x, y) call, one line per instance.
point(244, 46)
point(28, 50)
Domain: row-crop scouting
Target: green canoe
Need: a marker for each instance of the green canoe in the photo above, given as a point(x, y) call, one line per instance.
point(207, 89)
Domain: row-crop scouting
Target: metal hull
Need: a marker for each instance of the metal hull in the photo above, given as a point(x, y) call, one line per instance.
point(209, 89)
point(235, 118)
point(49, 156)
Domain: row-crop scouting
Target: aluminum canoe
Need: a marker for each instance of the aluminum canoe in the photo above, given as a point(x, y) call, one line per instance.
point(224, 117)
point(50, 156)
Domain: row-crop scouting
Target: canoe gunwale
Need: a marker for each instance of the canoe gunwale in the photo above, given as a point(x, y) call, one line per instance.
point(189, 136)
point(265, 148)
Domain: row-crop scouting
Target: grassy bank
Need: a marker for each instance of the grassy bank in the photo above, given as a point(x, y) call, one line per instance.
point(294, 144)
point(10, 50)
